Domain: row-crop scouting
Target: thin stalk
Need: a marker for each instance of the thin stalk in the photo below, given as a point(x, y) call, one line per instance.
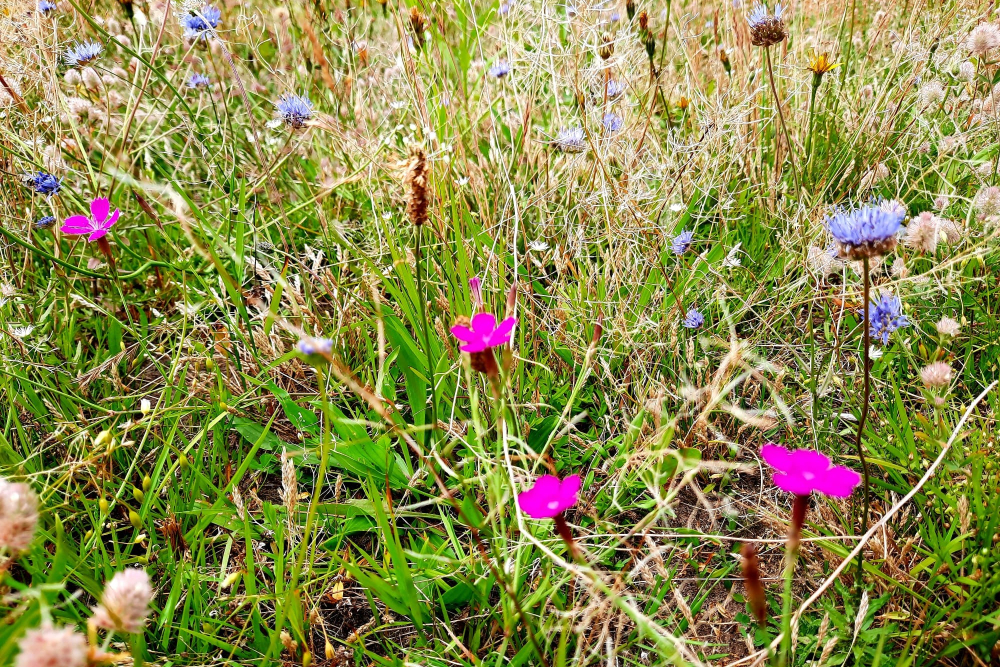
point(781, 117)
point(428, 435)
point(807, 169)
point(799, 506)
point(864, 410)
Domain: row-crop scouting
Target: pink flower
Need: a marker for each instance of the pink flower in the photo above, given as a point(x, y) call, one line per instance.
point(96, 226)
point(803, 471)
point(549, 496)
point(125, 603)
point(52, 647)
point(18, 516)
point(484, 332)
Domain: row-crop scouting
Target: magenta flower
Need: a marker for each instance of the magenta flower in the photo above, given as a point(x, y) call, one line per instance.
point(803, 471)
point(484, 332)
point(97, 225)
point(549, 496)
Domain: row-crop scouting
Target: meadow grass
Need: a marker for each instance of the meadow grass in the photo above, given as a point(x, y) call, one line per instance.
point(250, 388)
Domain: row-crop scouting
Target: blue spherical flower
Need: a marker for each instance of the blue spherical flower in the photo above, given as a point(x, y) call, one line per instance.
point(313, 346)
point(571, 140)
point(693, 319)
point(615, 89)
point(886, 316)
point(46, 6)
point(198, 81)
point(199, 25)
point(82, 53)
point(294, 110)
point(868, 231)
point(612, 122)
point(44, 222)
point(43, 183)
point(499, 70)
point(682, 242)
point(504, 8)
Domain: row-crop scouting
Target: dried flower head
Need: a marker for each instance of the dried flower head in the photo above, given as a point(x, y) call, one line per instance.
point(52, 647)
point(606, 49)
point(766, 29)
point(419, 25)
point(416, 183)
point(936, 375)
point(982, 39)
point(868, 231)
point(948, 327)
point(931, 94)
point(125, 603)
point(18, 516)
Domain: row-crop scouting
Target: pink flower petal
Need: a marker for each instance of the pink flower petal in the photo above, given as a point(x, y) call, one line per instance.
point(99, 234)
point(570, 489)
point(483, 324)
point(99, 209)
point(501, 335)
point(541, 501)
point(776, 456)
point(474, 346)
point(464, 333)
point(77, 224)
point(793, 483)
point(838, 482)
point(111, 221)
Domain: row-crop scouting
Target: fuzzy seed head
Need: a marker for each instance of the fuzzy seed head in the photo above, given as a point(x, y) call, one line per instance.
point(984, 38)
point(948, 327)
point(416, 181)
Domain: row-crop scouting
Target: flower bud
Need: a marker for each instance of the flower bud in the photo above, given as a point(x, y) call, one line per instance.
point(607, 47)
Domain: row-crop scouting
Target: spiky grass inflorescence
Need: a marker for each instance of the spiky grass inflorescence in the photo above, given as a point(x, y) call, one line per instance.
point(416, 187)
point(289, 492)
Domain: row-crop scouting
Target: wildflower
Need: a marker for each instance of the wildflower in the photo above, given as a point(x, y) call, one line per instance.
point(196, 81)
point(360, 47)
point(476, 289)
point(606, 49)
point(549, 496)
point(899, 269)
point(682, 242)
point(823, 262)
point(315, 351)
point(612, 122)
point(44, 221)
point(766, 29)
point(198, 25)
point(483, 332)
point(90, 78)
point(416, 180)
point(987, 201)
point(97, 226)
point(571, 140)
point(931, 93)
point(984, 38)
point(22, 331)
point(72, 78)
point(46, 6)
point(52, 647)
point(876, 174)
point(294, 111)
point(693, 320)
point(804, 471)
point(18, 516)
point(125, 603)
point(868, 231)
point(948, 327)
point(819, 65)
point(941, 202)
point(615, 89)
point(504, 8)
point(936, 375)
point(500, 69)
point(419, 24)
point(967, 71)
point(44, 183)
point(82, 53)
point(922, 233)
point(886, 316)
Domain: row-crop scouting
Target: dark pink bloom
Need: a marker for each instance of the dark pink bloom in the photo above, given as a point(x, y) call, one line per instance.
point(97, 225)
point(549, 496)
point(803, 471)
point(484, 332)
point(476, 287)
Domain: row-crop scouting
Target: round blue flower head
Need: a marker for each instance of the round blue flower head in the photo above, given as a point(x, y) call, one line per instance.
point(615, 89)
point(682, 242)
point(44, 221)
point(294, 110)
point(886, 316)
point(612, 122)
point(46, 6)
point(571, 140)
point(499, 70)
point(82, 53)
point(198, 81)
point(869, 231)
point(44, 184)
point(316, 351)
point(200, 25)
point(694, 319)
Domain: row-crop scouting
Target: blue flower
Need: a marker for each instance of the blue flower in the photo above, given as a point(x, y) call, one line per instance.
point(759, 15)
point(198, 81)
point(43, 183)
point(310, 346)
point(615, 89)
point(294, 110)
point(571, 140)
point(82, 53)
point(682, 242)
point(46, 6)
point(886, 316)
point(504, 8)
point(766, 29)
point(612, 122)
point(693, 319)
point(44, 222)
point(868, 231)
point(201, 24)
point(500, 69)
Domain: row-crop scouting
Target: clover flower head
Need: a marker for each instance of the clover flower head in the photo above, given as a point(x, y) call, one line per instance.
point(18, 516)
point(46, 6)
point(766, 29)
point(95, 227)
point(500, 69)
point(199, 25)
point(549, 496)
point(682, 242)
point(294, 111)
point(693, 320)
point(948, 327)
point(125, 602)
point(886, 316)
point(982, 39)
point(44, 183)
point(868, 231)
point(52, 647)
point(197, 80)
point(804, 471)
point(82, 53)
point(483, 332)
point(936, 375)
point(571, 140)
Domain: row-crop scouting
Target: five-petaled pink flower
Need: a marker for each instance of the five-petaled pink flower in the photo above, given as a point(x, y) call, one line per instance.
point(484, 332)
point(549, 496)
point(803, 471)
point(97, 225)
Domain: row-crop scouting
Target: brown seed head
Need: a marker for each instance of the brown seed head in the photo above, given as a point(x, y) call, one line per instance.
point(754, 586)
point(416, 182)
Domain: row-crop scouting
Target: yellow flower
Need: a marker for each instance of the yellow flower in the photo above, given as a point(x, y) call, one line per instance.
point(820, 64)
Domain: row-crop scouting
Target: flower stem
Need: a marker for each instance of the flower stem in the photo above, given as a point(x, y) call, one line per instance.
point(864, 410)
point(432, 422)
point(566, 533)
point(781, 117)
point(809, 137)
point(799, 507)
